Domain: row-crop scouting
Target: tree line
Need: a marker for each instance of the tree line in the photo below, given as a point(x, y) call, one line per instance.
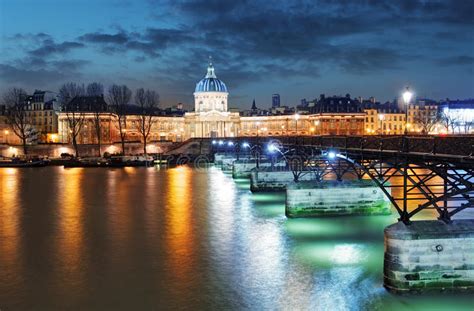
point(118, 99)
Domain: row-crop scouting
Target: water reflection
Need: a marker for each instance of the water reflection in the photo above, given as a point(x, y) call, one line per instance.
point(10, 257)
point(182, 239)
point(70, 272)
point(179, 239)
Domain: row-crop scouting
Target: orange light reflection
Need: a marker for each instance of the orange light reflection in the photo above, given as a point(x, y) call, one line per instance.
point(179, 238)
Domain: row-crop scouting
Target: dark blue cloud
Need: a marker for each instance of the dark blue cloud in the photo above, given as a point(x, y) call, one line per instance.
point(321, 46)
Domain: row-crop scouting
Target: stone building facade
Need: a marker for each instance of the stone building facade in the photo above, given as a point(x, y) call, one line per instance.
point(211, 118)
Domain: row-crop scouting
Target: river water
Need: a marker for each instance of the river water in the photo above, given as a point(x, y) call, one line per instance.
point(182, 239)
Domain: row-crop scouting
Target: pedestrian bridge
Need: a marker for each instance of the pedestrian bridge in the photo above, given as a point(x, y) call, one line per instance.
point(414, 173)
point(435, 171)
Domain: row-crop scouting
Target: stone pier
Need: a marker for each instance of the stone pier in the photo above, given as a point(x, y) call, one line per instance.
point(243, 168)
point(334, 198)
point(274, 180)
point(429, 256)
point(224, 161)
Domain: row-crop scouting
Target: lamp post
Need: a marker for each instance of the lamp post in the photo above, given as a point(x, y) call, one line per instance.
point(317, 123)
point(407, 95)
point(6, 136)
point(381, 117)
point(297, 116)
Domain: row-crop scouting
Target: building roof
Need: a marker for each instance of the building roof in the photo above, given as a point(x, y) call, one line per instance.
point(336, 104)
point(87, 104)
point(458, 104)
point(210, 83)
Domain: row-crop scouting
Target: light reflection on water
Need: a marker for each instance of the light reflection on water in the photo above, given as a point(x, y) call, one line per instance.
point(182, 239)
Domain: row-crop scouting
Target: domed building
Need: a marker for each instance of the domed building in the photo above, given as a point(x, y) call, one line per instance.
point(211, 117)
point(210, 93)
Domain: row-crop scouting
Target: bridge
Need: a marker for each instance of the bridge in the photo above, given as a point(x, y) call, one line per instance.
point(435, 173)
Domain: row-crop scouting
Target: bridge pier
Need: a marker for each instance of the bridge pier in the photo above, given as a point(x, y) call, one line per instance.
point(275, 180)
point(335, 198)
point(243, 168)
point(429, 256)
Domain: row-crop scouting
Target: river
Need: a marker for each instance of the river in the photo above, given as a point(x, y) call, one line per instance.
point(182, 239)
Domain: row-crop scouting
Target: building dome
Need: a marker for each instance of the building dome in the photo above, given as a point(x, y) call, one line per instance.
point(210, 83)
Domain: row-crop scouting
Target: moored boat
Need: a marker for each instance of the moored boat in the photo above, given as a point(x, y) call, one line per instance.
point(22, 163)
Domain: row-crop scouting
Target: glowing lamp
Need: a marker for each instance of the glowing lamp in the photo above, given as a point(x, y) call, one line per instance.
point(246, 145)
point(272, 148)
point(407, 95)
point(331, 155)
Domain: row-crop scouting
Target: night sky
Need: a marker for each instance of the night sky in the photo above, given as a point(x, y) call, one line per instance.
point(299, 49)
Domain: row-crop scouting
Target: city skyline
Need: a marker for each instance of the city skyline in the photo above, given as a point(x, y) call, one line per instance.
point(300, 49)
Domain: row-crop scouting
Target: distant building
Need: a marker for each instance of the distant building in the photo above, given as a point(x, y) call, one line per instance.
point(212, 118)
point(42, 116)
point(275, 100)
point(420, 113)
point(386, 119)
point(460, 114)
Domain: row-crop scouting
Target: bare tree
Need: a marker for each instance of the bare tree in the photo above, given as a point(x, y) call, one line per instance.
point(448, 121)
point(96, 90)
point(118, 97)
point(147, 101)
point(467, 126)
point(15, 100)
point(74, 114)
point(426, 122)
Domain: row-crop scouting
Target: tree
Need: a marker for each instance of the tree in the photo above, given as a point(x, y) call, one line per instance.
point(15, 100)
point(147, 101)
point(448, 121)
point(96, 90)
point(467, 126)
point(426, 122)
point(75, 117)
point(118, 97)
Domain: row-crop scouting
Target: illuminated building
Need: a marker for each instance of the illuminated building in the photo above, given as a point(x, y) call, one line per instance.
point(422, 111)
point(42, 115)
point(213, 118)
point(460, 114)
point(383, 119)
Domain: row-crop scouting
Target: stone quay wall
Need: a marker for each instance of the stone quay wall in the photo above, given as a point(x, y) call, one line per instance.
point(429, 256)
point(333, 198)
point(55, 150)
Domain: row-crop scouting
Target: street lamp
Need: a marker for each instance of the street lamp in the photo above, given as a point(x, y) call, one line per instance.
point(381, 117)
point(6, 136)
point(297, 116)
point(407, 95)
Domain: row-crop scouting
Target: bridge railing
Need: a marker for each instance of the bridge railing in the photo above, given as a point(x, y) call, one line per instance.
point(450, 145)
point(462, 145)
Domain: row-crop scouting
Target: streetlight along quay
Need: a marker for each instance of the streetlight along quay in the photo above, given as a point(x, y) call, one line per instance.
point(407, 95)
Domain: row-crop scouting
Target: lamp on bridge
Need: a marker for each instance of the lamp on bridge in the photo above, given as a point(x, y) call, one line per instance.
point(297, 116)
point(381, 118)
point(407, 95)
